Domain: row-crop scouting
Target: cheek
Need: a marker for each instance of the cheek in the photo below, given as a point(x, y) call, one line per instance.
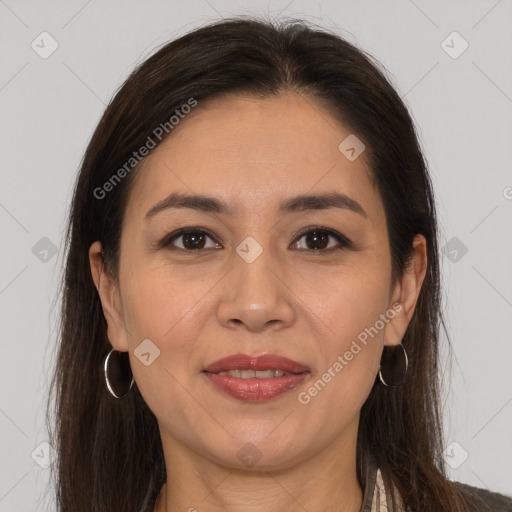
point(159, 306)
point(171, 316)
point(351, 304)
point(350, 353)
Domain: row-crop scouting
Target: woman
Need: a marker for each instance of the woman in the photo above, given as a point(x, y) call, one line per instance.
point(251, 300)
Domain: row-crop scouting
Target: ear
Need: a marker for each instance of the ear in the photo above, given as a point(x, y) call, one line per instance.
point(108, 291)
point(406, 292)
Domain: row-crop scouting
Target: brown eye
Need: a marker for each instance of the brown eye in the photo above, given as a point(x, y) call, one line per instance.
point(190, 240)
point(321, 239)
point(317, 240)
point(193, 240)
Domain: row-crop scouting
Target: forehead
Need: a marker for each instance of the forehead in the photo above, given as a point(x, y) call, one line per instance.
point(254, 152)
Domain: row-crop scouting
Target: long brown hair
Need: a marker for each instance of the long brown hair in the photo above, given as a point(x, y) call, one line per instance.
point(109, 451)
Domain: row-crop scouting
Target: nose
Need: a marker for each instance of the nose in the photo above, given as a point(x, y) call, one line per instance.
point(256, 296)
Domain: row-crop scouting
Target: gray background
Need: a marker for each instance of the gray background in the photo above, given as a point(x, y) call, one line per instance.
point(462, 106)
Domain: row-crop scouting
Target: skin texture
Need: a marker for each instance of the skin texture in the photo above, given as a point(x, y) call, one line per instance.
point(199, 306)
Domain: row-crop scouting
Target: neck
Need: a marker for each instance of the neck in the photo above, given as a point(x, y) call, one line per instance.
point(325, 482)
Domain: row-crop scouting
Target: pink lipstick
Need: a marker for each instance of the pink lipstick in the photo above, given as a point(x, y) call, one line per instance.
point(255, 379)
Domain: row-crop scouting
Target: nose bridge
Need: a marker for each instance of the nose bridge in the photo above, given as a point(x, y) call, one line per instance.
point(255, 278)
point(255, 294)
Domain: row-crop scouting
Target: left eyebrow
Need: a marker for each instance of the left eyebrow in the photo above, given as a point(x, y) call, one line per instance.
point(321, 202)
point(291, 205)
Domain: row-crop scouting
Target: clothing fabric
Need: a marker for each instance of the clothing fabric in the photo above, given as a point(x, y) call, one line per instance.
point(479, 500)
point(375, 495)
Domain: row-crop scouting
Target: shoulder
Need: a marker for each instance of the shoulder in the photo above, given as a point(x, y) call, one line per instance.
point(481, 499)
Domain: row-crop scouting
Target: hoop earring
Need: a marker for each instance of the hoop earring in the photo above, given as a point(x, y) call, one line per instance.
point(393, 365)
point(118, 373)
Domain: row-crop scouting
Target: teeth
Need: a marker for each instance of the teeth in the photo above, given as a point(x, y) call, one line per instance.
point(251, 374)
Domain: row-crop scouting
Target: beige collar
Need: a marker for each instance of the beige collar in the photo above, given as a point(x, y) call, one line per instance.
point(380, 500)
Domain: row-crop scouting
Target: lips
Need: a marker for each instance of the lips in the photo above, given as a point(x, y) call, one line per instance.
point(260, 363)
point(255, 379)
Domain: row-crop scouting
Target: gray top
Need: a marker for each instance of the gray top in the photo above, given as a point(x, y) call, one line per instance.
point(477, 499)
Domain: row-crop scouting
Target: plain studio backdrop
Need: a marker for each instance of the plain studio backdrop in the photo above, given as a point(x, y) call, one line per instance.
point(61, 62)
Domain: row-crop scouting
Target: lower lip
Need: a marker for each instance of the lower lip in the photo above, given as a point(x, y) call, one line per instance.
point(256, 390)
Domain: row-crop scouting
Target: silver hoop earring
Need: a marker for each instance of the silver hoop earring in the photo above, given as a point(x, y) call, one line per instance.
point(118, 373)
point(393, 365)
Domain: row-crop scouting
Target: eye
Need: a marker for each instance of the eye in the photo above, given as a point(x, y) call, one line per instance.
point(321, 239)
point(190, 239)
point(315, 238)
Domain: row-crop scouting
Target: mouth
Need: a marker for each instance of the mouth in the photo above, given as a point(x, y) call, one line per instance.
point(255, 379)
point(253, 374)
point(263, 363)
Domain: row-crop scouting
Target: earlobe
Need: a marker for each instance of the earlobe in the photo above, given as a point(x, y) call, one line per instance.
point(108, 292)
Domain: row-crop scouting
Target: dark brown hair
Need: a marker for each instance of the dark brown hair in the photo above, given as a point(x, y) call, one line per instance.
point(109, 451)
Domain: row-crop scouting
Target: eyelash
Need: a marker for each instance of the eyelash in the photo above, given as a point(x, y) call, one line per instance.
point(343, 241)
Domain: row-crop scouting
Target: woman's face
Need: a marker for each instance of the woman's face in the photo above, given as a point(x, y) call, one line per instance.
point(251, 278)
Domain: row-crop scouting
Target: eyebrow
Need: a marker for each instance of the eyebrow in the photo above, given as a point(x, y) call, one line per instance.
point(300, 203)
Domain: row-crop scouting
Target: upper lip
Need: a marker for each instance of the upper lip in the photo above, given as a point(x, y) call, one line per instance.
point(263, 362)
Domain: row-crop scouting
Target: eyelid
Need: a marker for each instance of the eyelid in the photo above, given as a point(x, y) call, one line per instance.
point(169, 238)
point(342, 240)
